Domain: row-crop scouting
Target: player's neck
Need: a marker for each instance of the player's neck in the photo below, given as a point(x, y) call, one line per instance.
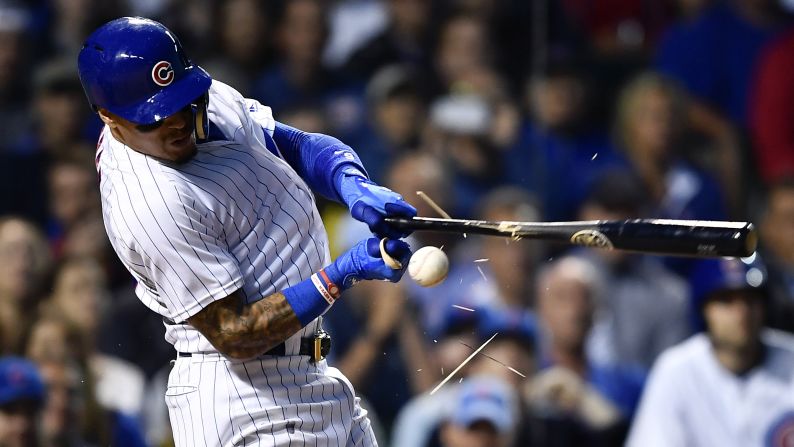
point(117, 135)
point(739, 360)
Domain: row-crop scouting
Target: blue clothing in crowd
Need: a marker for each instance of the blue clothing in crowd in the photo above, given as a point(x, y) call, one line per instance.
point(714, 57)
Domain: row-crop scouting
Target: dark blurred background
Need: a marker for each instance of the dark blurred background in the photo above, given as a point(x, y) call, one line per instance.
point(497, 109)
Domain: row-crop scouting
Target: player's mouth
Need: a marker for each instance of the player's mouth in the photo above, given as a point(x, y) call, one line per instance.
point(182, 140)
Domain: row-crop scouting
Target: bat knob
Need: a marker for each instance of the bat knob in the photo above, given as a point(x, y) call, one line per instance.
point(750, 239)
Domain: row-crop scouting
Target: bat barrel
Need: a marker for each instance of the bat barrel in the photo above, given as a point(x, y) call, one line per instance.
point(681, 238)
point(657, 236)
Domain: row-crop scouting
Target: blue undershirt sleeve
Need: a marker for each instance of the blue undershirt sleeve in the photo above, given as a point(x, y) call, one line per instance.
point(319, 159)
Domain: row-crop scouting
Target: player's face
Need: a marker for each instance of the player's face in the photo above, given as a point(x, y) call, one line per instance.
point(171, 139)
point(18, 424)
point(734, 319)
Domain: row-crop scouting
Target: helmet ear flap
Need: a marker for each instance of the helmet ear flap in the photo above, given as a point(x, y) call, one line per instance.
point(200, 116)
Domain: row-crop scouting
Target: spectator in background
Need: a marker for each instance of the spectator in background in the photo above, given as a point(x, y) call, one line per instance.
point(578, 401)
point(57, 130)
point(714, 56)
point(420, 421)
point(420, 171)
point(194, 21)
point(24, 264)
point(560, 148)
point(645, 305)
point(503, 276)
point(21, 397)
point(650, 121)
point(405, 40)
point(73, 196)
point(60, 113)
point(486, 272)
point(80, 297)
point(619, 29)
point(464, 65)
point(771, 105)
point(76, 413)
point(730, 386)
point(397, 112)
point(73, 417)
point(777, 245)
point(486, 415)
point(352, 23)
point(70, 22)
point(14, 66)
point(511, 355)
point(298, 75)
point(458, 133)
point(244, 43)
point(464, 50)
point(690, 10)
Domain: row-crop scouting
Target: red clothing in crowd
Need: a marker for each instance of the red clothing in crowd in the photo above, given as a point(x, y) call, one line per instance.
point(772, 110)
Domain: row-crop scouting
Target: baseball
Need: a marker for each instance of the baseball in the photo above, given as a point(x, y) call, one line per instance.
point(428, 266)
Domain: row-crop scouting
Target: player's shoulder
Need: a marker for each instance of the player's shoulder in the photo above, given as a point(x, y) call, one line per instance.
point(683, 355)
point(780, 349)
point(231, 111)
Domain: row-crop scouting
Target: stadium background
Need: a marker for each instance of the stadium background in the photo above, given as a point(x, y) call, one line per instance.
point(503, 109)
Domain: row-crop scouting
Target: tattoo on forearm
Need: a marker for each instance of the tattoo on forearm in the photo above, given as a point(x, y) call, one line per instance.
point(246, 330)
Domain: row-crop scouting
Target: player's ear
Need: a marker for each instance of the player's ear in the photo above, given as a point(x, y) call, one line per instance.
point(107, 117)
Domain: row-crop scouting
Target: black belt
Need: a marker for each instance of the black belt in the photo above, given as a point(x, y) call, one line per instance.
point(316, 347)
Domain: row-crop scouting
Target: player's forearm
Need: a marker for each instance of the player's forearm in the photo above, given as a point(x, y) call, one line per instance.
point(241, 330)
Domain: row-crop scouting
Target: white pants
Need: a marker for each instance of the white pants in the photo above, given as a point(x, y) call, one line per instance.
point(268, 401)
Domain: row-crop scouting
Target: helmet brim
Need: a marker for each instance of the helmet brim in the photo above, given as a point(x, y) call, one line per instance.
point(169, 100)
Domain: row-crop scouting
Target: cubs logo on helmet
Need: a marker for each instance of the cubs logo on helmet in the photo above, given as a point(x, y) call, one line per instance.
point(136, 68)
point(163, 73)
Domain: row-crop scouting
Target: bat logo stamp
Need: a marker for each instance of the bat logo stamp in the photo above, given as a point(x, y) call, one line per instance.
point(163, 73)
point(591, 238)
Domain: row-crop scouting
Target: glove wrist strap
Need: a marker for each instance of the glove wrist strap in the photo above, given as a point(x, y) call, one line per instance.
point(312, 297)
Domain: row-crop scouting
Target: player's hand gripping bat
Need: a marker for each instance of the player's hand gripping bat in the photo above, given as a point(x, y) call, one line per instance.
point(699, 238)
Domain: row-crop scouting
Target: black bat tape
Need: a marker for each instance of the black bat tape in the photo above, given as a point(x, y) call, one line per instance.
point(658, 236)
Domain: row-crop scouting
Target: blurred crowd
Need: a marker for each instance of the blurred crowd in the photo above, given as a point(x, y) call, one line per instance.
point(496, 109)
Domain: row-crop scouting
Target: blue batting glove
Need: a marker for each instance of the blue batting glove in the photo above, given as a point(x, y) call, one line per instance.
point(364, 261)
point(371, 203)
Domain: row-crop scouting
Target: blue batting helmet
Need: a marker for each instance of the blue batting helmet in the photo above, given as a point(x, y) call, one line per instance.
point(137, 69)
point(711, 276)
point(725, 274)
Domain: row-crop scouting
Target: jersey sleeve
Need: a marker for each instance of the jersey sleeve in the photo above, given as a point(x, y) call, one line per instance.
point(243, 120)
point(185, 258)
point(658, 420)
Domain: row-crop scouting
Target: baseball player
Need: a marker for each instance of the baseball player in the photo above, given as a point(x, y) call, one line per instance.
point(732, 386)
point(209, 203)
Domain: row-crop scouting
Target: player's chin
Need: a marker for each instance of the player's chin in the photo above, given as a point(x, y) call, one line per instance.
point(183, 150)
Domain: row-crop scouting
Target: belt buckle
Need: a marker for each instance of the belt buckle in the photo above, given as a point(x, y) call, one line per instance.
point(322, 344)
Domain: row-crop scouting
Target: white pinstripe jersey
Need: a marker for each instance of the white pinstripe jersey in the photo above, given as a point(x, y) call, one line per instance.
point(691, 400)
point(236, 216)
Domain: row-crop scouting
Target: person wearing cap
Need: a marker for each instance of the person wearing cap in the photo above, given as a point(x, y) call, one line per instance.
point(577, 399)
point(485, 415)
point(209, 202)
point(732, 385)
point(21, 399)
